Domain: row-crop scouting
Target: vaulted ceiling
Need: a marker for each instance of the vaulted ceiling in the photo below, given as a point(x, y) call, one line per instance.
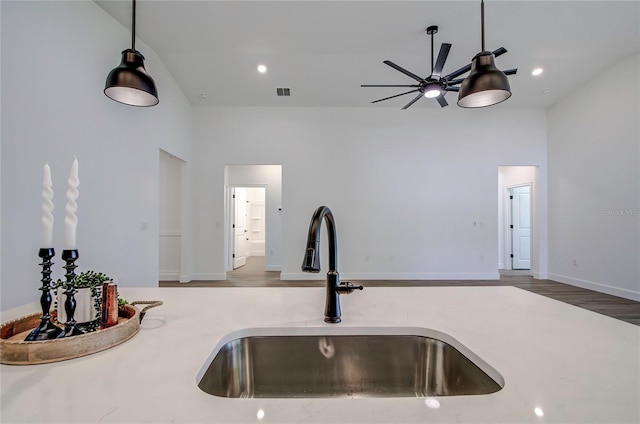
point(324, 50)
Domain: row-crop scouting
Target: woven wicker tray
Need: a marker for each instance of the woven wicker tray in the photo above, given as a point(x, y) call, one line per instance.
point(15, 351)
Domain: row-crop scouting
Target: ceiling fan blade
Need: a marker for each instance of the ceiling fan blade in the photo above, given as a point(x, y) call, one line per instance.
point(404, 71)
point(442, 100)
point(442, 57)
point(412, 101)
point(456, 89)
point(499, 52)
point(455, 81)
point(458, 72)
point(467, 68)
point(511, 71)
point(397, 95)
point(369, 85)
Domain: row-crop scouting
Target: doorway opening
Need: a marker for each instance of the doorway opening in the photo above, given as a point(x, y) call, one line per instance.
point(253, 218)
point(248, 224)
point(515, 203)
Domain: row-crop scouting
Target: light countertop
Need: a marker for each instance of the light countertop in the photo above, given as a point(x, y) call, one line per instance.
point(569, 364)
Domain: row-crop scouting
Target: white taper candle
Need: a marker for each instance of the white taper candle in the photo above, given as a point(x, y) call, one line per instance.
point(47, 207)
point(70, 219)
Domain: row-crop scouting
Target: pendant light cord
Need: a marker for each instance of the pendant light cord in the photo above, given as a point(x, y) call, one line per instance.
point(481, 21)
point(133, 27)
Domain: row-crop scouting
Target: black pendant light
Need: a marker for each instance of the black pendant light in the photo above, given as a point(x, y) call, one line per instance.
point(130, 83)
point(486, 85)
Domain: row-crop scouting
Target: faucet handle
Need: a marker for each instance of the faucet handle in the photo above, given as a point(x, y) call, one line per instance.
point(347, 287)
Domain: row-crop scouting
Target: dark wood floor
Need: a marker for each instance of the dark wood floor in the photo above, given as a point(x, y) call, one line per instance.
point(253, 275)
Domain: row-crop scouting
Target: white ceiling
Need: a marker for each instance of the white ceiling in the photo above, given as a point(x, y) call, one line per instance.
point(324, 50)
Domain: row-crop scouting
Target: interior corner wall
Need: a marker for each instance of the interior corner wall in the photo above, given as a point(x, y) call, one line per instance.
point(55, 59)
point(405, 186)
point(170, 218)
point(594, 184)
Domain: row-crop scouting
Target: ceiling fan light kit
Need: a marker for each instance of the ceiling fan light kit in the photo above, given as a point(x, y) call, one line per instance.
point(432, 87)
point(432, 92)
point(129, 83)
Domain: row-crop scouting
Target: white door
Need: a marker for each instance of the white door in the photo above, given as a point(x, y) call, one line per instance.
point(239, 200)
point(521, 228)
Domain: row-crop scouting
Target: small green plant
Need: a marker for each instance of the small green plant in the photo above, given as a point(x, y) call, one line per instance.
point(88, 280)
point(85, 280)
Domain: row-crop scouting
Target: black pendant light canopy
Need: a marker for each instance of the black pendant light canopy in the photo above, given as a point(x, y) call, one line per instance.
point(486, 85)
point(129, 83)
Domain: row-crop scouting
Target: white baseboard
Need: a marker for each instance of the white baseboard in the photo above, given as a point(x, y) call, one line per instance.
point(165, 275)
point(175, 276)
point(602, 288)
point(305, 276)
point(540, 275)
point(273, 268)
point(393, 276)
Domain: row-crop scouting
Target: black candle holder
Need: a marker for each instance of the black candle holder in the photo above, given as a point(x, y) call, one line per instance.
point(46, 329)
point(70, 328)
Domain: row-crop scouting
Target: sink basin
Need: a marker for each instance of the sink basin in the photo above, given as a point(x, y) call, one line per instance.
point(346, 362)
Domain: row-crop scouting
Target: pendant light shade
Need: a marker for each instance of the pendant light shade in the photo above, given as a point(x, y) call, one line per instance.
point(129, 83)
point(486, 85)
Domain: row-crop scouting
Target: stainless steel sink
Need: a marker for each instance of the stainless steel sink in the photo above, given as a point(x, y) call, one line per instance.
point(331, 364)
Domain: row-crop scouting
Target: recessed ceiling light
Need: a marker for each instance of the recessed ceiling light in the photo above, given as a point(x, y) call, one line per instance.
point(545, 91)
point(203, 96)
point(536, 72)
point(262, 69)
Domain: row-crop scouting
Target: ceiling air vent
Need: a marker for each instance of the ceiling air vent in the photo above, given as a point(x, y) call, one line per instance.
point(283, 92)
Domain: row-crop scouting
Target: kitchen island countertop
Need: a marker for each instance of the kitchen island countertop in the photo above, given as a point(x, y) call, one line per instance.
point(560, 363)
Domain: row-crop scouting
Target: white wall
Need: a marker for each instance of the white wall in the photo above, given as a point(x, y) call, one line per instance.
point(405, 186)
point(55, 59)
point(594, 184)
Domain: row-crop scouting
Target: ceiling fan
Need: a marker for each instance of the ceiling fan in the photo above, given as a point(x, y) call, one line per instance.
point(435, 85)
